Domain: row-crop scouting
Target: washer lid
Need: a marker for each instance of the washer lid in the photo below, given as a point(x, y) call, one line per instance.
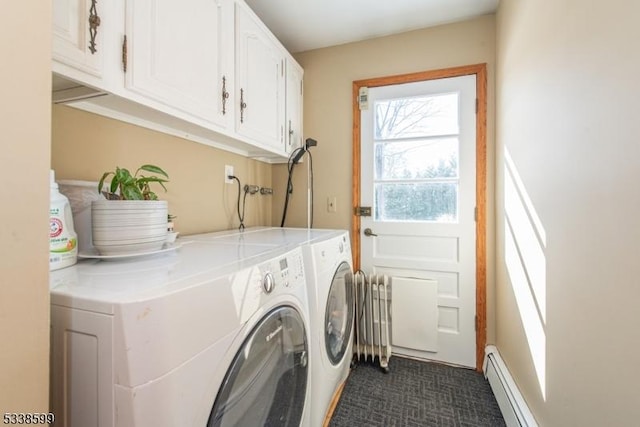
point(267, 381)
point(97, 285)
point(275, 236)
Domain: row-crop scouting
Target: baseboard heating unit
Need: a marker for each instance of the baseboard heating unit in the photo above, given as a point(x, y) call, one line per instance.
point(514, 409)
point(371, 332)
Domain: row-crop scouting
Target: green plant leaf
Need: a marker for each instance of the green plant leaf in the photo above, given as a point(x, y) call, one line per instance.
point(145, 180)
point(131, 192)
point(123, 174)
point(101, 183)
point(154, 169)
point(128, 180)
point(114, 183)
point(150, 179)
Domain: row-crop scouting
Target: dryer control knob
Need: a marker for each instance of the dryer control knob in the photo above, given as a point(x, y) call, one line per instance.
point(268, 283)
point(341, 247)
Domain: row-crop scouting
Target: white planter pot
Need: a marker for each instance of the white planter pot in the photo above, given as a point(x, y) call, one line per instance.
point(128, 226)
point(80, 195)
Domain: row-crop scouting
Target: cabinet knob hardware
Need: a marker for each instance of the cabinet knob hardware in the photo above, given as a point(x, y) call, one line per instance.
point(94, 23)
point(225, 95)
point(243, 105)
point(290, 133)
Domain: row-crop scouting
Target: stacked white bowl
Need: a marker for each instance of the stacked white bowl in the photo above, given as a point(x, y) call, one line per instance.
point(80, 195)
point(121, 227)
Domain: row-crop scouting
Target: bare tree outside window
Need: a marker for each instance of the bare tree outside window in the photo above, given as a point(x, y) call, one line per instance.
point(416, 159)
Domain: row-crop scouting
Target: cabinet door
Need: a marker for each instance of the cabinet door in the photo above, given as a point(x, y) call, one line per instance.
point(294, 105)
point(178, 54)
point(260, 82)
point(81, 367)
point(78, 37)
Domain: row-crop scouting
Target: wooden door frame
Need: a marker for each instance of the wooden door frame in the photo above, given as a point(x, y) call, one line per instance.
point(480, 71)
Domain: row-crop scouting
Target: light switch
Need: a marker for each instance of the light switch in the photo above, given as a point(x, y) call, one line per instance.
point(331, 204)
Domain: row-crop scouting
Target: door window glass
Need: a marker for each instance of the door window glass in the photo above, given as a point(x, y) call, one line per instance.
point(267, 381)
point(416, 159)
point(419, 116)
point(339, 314)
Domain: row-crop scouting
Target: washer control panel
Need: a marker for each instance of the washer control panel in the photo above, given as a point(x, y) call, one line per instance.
point(284, 271)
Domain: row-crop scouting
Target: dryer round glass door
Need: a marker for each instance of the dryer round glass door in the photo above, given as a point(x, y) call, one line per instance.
point(338, 318)
point(267, 381)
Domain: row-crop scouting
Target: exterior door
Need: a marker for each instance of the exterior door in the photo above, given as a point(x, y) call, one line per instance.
point(418, 175)
point(267, 381)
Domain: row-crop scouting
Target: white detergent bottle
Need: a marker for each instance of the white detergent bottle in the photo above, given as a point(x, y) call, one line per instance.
point(63, 240)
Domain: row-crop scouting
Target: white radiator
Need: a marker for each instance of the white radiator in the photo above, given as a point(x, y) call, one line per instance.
point(514, 409)
point(371, 332)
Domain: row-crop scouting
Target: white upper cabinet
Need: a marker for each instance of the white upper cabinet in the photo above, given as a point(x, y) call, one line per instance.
point(205, 70)
point(294, 105)
point(260, 84)
point(180, 55)
point(79, 39)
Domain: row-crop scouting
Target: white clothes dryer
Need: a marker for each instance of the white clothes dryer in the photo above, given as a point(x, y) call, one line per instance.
point(328, 264)
point(202, 336)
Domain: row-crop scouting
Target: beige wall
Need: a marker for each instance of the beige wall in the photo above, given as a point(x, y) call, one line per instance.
point(329, 74)
point(85, 145)
point(567, 99)
point(24, 173)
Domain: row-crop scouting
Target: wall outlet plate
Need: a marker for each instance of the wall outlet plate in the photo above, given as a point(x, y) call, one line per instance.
point(228, 171)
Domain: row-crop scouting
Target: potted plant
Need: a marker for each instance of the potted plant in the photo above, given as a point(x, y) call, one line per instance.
point(131, 220)
point(133, 187)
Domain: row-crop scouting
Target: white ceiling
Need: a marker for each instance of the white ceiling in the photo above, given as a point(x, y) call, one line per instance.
point(310, 24)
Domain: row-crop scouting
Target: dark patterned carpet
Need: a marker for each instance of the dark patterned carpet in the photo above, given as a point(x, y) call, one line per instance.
point(416, 393)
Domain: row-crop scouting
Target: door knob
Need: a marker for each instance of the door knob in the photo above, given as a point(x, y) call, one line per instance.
point(368, 232)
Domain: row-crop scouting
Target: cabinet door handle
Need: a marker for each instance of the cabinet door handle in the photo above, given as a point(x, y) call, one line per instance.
point(243, 105)
point(94, 23)
point(290, 133)
point(225, 95)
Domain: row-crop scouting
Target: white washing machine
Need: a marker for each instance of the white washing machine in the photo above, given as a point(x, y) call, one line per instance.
point(328, 267)
point(202, 336)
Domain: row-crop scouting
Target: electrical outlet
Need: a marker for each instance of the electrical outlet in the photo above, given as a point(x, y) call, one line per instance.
point(228, 171)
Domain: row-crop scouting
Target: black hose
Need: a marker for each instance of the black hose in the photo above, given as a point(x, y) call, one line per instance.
point(240, 216)
point(290, 164)
point(311, 183)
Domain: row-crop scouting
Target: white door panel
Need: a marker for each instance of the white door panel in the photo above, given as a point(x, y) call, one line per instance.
point(413, 327)
point(418, 176)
